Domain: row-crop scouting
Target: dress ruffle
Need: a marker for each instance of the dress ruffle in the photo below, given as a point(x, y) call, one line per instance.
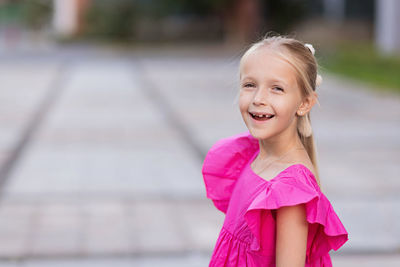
point(299, 186)
point(223, 165)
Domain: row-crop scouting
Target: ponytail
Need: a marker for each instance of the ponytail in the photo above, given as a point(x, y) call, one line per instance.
point(304, 131)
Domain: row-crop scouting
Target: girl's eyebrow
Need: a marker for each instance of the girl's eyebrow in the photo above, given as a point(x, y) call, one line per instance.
point(272, 81)
point(247, 78)
point(244, 76)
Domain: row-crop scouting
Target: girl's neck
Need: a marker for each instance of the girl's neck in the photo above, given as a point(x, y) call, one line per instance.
point(274, 148)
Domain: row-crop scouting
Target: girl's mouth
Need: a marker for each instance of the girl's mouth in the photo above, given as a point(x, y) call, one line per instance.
point(261, 117)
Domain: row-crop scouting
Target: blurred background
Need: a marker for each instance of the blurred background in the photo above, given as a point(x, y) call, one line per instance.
point(107, 109)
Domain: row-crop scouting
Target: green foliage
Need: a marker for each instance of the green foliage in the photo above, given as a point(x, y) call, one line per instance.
point(10, 12)
point(111, 19)
point(363, 62)
point(33, 13)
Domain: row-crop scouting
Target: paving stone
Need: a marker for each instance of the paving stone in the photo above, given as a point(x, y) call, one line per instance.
point(153, 229)
point(106, 229)
point(58, 231)
point(15, 229)
point(198, 220)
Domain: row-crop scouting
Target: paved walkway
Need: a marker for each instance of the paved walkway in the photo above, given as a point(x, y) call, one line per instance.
point(101, 151)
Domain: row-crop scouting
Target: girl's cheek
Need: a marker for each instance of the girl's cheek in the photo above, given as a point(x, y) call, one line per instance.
point(245, 96)
point(241, 106)
point(244, 102)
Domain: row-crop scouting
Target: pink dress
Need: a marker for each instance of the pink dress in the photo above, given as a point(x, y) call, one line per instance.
point(247, 237)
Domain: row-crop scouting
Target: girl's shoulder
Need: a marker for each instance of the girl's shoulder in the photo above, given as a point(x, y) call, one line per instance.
point(302, 160)
point(296, 179)
point(302, 172)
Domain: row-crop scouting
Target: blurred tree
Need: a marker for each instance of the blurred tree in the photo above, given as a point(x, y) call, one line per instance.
point(111, 19)
point(242, 20)
point(119, 19)
point(202, 8)
point(36, 13)
point(157, 20)
point(282, 15)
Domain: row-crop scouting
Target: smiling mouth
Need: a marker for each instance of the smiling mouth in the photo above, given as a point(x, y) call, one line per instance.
point(261, 117)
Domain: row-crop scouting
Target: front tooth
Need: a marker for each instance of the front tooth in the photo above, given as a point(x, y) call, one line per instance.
point(260, 116)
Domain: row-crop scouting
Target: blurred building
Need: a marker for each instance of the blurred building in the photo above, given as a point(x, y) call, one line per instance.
point(387, 30)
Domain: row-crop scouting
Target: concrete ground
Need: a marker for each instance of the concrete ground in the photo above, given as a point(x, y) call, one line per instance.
point(101, 153)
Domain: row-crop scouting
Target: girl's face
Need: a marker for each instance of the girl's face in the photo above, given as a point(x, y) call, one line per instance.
point(268, 87)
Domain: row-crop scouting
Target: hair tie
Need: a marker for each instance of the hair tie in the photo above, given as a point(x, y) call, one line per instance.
point(311, 48)
point(318, 81)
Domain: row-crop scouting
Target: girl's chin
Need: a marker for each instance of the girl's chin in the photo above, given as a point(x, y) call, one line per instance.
point(259, 134)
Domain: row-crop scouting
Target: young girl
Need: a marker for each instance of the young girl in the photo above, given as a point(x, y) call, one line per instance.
point(266, 179)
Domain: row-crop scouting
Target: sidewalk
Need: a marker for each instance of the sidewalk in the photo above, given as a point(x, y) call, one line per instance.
point(101, 155)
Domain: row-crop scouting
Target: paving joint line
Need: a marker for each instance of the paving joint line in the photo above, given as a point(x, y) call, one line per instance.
point(172, 117)
point(53, 93)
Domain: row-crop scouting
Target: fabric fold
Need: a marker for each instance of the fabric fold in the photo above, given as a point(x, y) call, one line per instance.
point(223, 164)
point(326, 231)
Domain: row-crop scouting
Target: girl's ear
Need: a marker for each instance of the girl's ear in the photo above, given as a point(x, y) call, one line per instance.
point(307, 103)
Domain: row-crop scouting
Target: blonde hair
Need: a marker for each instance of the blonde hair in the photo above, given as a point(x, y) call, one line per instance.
point(301, 58)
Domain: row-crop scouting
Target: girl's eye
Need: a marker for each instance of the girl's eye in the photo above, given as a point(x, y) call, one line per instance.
point(278, 88)
point(248, 85)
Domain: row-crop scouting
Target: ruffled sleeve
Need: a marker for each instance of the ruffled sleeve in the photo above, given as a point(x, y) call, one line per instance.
point(298, 186)
point(223, 164)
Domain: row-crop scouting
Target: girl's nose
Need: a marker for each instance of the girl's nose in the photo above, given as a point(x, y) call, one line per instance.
point(260, 97)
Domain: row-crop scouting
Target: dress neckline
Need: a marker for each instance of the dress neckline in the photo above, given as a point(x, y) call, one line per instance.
point(279, 173)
